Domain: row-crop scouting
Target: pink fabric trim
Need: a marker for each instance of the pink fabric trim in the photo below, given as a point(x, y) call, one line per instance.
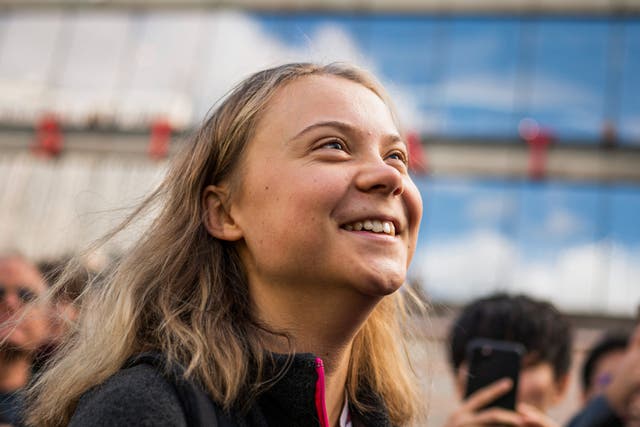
point(321, 404)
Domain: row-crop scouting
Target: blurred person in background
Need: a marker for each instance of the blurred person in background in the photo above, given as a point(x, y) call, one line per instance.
point(265, 291)
point(600, 364)
point(64, 303)
point(66, 299)
point(544, 377)
point(23, 330)
point(611, 381)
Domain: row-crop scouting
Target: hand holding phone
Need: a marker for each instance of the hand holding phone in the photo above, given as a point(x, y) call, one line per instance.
point(470, 413)
point(489, 361)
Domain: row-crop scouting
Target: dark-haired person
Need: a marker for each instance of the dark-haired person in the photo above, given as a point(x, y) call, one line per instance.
point(601, 363)
point(611, 379)
point(546, 335)
point(20, 334)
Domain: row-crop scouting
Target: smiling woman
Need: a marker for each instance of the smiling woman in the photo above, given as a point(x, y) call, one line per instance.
point(266, 286)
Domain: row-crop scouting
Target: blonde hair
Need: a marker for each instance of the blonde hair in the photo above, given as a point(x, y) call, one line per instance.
point(184, 293)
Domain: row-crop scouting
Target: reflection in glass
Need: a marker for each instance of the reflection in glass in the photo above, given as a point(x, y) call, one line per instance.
point(29, 60)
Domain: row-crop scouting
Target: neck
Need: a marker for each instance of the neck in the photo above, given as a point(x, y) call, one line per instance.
point(322, 323)
point(15, 369)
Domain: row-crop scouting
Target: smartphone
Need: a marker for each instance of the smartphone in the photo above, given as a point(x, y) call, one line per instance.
point(491, 360)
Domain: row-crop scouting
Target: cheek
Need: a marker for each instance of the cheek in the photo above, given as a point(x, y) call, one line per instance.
point(413, 203)
point(37, 323)
point(536, 390)
point(282, 222)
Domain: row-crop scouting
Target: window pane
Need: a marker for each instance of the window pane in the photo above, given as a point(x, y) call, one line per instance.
point(480, 81)
point(407, 53)
point(237, 44)
point(630, 86)
point(160, 75)
point(233, 46)
point(575, 244)
point(27, 63)
point(96, 50)
point(466, 247)
point(569, 77)
point(624, 249)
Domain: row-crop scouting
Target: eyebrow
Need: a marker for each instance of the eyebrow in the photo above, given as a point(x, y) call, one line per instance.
point(346, 128)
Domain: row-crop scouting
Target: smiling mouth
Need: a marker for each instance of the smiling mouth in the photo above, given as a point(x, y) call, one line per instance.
point(373, 226)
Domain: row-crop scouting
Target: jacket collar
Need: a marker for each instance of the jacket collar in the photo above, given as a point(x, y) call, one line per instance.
point(291, 401)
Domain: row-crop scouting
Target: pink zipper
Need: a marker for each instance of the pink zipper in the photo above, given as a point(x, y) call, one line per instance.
point(321, 404)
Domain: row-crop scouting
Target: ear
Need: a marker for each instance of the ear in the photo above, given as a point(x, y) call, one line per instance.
point(217, 219)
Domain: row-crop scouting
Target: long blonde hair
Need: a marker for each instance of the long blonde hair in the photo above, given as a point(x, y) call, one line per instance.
point(184, 293)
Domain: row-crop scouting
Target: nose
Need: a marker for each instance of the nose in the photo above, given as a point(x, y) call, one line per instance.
point(380, 177)
point(11, 301)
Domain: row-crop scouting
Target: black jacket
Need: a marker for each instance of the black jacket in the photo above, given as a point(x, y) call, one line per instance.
point(141, 395)
point(597, 413)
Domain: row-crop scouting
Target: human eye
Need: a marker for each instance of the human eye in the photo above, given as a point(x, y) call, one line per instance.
point(333, 144)
point(398, 155)
point(26, 295)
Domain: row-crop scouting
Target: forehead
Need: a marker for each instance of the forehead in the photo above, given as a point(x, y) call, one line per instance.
point(317, 98)
point(14, 272)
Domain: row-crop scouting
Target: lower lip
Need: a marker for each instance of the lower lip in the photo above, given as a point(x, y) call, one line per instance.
point(373, 236)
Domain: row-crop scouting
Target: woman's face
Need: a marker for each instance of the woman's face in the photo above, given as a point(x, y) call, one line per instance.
point(325, 197)
point(19, 284)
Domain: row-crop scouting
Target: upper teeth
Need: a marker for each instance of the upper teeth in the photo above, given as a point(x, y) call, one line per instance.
point(374, 225)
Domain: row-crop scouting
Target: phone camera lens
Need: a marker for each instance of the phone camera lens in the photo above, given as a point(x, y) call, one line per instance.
point(486, 351)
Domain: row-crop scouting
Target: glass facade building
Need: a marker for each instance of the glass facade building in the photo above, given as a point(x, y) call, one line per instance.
point(453, 77)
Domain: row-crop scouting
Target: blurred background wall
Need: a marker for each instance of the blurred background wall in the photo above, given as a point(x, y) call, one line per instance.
point(528, 114)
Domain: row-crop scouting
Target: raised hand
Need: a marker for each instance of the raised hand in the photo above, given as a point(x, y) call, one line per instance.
point(471, 412)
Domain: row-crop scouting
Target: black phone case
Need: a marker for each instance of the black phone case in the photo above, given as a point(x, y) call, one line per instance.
point(490, 361)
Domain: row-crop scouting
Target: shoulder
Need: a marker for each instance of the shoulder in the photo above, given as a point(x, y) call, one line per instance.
point(597, 413)
point(136, 396)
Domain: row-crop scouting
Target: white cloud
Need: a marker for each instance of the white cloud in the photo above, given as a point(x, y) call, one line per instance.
point(411, 118)
point(241, 46)
point(492, 91)
point(597, 277)
point(185, 63)
point(550, 92)
point(481, 91)
point(562, 223)
point(490, 209)
point(462, 269)
point(331, 42)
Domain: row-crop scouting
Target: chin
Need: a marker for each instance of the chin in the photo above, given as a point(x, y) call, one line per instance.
point(383, 285)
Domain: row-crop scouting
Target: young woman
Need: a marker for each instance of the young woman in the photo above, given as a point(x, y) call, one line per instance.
point(269, 277)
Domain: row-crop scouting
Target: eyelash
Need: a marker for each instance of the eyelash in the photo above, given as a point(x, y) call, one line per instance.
point(401, 156)
point(336, 142)
point(342, 146)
